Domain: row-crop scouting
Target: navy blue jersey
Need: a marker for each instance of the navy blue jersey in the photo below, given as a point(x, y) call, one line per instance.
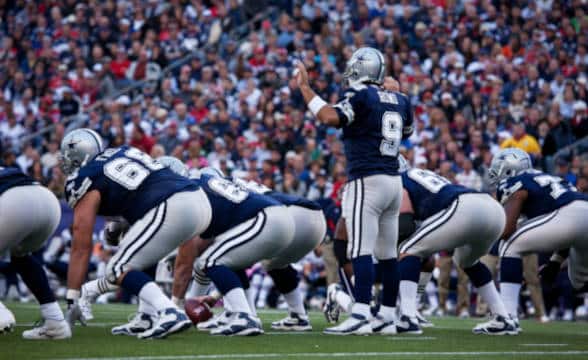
point(231, 204)
point(429, 192)
point(546, 193)
point(284, 199)
point(130, 183)
point(375, 122)
point(11, 177)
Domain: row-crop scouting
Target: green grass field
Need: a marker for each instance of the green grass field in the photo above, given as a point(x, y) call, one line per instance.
point(450, 339)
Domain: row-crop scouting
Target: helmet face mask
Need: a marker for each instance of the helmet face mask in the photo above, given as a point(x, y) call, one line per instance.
point(77, 148)
point(366, 65)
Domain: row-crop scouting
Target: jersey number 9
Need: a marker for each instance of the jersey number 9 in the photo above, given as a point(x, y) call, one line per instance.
point(391, 132)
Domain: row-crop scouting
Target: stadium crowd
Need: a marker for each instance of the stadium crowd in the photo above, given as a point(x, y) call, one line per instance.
point(480, 74)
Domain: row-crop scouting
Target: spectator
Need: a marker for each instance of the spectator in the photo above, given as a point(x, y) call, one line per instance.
point(520, 139)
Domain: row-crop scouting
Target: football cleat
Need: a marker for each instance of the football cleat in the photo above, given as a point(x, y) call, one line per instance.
point(139, 323)
point(356, 324)
point(423, 322)
point(240, 324)
point(7, 320)
point(498, 325)
point(406, 325)
point(382, 326)
point(331, 309)
point(170, 321)
point(49, 330)
point(293, 322)
point(220, 320)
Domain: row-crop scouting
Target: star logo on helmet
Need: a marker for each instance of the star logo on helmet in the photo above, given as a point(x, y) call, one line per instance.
point(72, 144)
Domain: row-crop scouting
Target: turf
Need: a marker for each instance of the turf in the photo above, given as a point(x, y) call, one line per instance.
point(450, 339)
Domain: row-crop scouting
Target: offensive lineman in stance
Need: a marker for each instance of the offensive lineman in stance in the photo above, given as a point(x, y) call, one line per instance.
point(374, 122)
point(556, 215)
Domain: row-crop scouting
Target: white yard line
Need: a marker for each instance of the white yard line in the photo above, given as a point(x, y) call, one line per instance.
point(346, 355)
point(543, 345)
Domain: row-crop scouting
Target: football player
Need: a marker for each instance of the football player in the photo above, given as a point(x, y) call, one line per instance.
point(165, 210)
point(309, 231)
point(452, 217)
point(556, 219)
point(29, 214)
point(374, 122)
point(151, 198)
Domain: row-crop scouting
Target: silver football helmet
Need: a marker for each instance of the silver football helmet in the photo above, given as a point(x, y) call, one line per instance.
point(366, 65)
point(174, 164)
point(508, 163)
point(403, 164)
point(78, 147)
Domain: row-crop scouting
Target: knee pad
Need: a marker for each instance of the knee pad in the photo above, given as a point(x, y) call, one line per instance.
point(285, 279)
point(406, 226)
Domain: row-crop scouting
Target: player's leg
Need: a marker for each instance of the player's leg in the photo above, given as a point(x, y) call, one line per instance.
point(387, 268)
point(436, 233)
point(44, 214)
point(362, 207)
point(541, 234)
point(151, 238)
point(309, 230)
point(578, 256)
point(256, 239)
point(481, 232)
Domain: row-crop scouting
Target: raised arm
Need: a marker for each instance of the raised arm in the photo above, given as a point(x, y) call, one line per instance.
point(319, 107)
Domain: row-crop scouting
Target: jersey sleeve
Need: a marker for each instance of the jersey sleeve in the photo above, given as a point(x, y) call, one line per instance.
point(77, 185)
point(352, 103)
point(507, 187)
point(408, 124)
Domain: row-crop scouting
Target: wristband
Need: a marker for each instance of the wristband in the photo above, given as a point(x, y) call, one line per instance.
point(316, 104)
point(72, 294)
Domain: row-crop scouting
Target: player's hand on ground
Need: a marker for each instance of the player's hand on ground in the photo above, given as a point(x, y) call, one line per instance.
point(300, 74)
point(74, 314)
point(548, 272)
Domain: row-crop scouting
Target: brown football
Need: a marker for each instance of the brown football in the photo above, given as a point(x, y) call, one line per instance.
point(197, 311)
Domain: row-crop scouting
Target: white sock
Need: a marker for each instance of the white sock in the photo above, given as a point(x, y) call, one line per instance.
point(489, 293)
point(408, 293)
point(152, 294)
point(431, 290)
point(344, 300)
point(146, 308)
point(424, 279)
point(52, 311)
point(295, 303)
point(388, 313)
point(510, 297)
point(251, 301)
point(362, 309)
point(237, 301)
point(98, 287)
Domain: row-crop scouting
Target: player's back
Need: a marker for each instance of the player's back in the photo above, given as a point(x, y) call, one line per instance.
point(11, 177)
point(130, 183)
point(429, 192)
point(546, 193)
point(285, 199)
point(231, 203)
point(375, 122)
